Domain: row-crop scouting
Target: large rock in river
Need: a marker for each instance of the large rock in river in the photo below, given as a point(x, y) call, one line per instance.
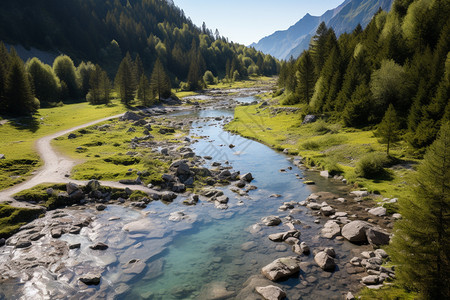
point(271, 221)
point(355, 231)
point(325, 261)
point(330, 230)
point(281, 268)
point(271, 292)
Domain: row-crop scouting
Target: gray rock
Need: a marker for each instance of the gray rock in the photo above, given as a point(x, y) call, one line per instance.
point(90, 279)
point(75, 246)
point(99, 246)
point(247, 177)
point(2, 156)
point(72, 136)
point(355, 231)
point(314, 206)
point(71, 187)
point(349, 296)
point(168, 196)
point(327, 210)
point(377, 237)
point(248, 246)
point(309, 119)
point(330, 230)
point(281, 268)
point(397, 216)
point(100, 207)
point(177, 216)
point(134, 266)
point(23, 244)
point(378, 211)
point(381, 253)
point(271, 221)
point(370, 280)
point(131, 116)
point(325, 261)
point(222, 199)
point(324, 174)
point(360, 193)
point(192, 200)
point(271, 292)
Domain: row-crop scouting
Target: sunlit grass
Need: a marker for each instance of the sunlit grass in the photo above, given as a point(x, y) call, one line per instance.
point(17, 137)
point(323, 145)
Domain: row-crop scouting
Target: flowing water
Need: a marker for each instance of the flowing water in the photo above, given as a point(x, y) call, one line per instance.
point(184, 259)
point(211, 251)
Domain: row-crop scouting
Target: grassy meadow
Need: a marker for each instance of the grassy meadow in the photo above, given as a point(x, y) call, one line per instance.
point(19, 135)
point(324, 145)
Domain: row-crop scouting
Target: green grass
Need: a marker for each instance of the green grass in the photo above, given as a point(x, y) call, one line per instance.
point(104, 155)
point(12, 218)
point(323, 145)
point(19, 135)
point(387, 292)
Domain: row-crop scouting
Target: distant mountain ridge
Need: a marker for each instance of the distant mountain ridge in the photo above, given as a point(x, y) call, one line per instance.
point(344, 18)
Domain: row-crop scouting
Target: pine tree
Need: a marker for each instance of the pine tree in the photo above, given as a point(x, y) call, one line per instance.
point(421, 242)
point(159, 82)
point(305, 77)
point(144, 92)
point(19, 97)
point(100, 87)
point(388, 129)
point(124, 80)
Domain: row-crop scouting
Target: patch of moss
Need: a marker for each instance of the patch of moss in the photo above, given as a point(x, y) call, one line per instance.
point(387, 292)
point(137, 195)
point(12, 218)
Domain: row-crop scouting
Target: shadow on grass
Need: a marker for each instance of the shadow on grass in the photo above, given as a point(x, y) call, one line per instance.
point(31, 124)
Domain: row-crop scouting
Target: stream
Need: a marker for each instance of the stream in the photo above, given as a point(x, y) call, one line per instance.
point(203, 253)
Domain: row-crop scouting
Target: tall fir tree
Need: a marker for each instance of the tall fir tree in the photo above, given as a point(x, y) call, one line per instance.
point(421, 242)
point(124, 81)
point(305, 78)
point(160, 82)
point(144, 93)
point(388, 129)
point(19, 98)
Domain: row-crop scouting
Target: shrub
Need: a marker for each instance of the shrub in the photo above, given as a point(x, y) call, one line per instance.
point(311, 145)
point(320, 127)
point(371, 165)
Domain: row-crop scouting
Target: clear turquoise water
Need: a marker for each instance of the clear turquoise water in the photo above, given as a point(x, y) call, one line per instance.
point(210, 251)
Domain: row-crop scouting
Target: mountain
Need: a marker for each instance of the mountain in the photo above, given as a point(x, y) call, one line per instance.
point(344, 18)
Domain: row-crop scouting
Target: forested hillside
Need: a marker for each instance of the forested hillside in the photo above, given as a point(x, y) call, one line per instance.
point(104, 31)
point(402, 58)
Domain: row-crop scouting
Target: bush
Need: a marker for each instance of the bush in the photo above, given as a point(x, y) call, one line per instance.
point(332, 166)
point(311, 145)
point(208, 78)
point(371, 165)
point(290, 100)
point(320, 127)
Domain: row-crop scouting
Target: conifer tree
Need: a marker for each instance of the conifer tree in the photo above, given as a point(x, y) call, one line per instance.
point(144, 92)
point(124, 80)
point(19, 98)
point(388, 129)
point(421, 242)
point(159, 81)
point(305, 77)
point(84, 71)
point(100, 87)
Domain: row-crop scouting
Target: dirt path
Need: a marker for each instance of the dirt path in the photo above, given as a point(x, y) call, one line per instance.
point(56, 166)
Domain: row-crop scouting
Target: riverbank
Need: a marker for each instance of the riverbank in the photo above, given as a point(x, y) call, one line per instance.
point(155, 247)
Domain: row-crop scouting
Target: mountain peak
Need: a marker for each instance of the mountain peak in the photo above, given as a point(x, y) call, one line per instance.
point(344, 18)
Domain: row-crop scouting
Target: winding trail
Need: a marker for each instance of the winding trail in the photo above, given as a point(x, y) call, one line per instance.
point(57, 167)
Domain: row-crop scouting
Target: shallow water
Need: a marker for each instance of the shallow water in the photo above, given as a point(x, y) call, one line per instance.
point(211, 250)
point(182, 259)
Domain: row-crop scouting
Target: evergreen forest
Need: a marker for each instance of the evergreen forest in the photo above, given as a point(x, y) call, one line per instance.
point(401, 60)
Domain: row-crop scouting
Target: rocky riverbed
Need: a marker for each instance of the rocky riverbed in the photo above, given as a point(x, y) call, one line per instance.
point(208, 231)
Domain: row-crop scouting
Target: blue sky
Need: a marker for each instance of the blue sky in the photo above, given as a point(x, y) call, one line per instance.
point(247, 21)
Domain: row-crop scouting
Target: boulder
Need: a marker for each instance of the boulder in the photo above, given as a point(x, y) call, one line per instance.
point(309, 119)
point(304, 248)
point(355, 231)
point(271, 292)
point(131, 116)
point(281, 268)
point(72, 136)
point(247, 177)
point(99, 246)
point(314, 206)
point(360, 193)
point(324, 174)
point(168, 196)
point(370, 280)
point(177, 216)
point(100, 207)
point(377, 237)
point(378, 211)
point(327, 210)
point(271, 221)
point(90, 279)
point(71, 187)
point(325, 261)
point(330, 230)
